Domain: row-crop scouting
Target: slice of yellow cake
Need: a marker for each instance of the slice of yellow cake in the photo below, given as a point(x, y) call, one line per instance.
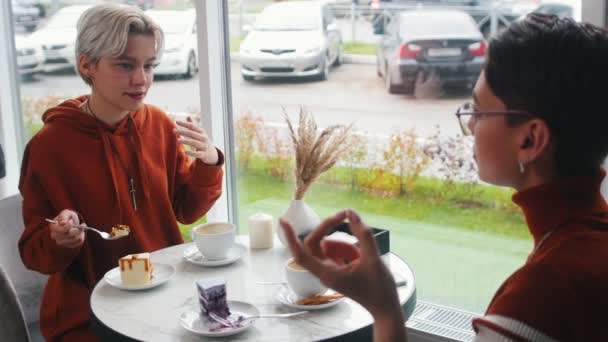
point(135, 269)
point(120, 230)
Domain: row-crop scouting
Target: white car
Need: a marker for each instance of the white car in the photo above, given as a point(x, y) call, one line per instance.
point(25, 16)
point(58, 36)
point(291, 39)
point(30, 58)
point(179, 56)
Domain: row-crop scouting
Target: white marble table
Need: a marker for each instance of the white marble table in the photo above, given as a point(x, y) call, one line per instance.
point(153, 315)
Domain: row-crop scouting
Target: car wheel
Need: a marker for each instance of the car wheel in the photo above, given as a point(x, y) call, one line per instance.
point(30, 28)
point(325, 73)
point(247, 78)
point(388, 83)
point(338, 60)
point(191, 69)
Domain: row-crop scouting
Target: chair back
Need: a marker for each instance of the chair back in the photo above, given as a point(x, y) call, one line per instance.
point(12, 324)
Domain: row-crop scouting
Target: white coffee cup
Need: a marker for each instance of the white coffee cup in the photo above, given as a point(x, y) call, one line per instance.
point(303, 283)
point(214, 239)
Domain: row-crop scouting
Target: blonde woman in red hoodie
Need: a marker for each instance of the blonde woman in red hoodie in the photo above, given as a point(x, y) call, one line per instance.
point(539, 122)
point(107, 158)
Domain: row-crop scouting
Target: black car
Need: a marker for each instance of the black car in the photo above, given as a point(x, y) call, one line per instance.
point(381, 8)
point(445, 42)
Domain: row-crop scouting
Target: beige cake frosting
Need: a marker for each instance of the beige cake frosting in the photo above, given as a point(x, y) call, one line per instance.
point(135, 269)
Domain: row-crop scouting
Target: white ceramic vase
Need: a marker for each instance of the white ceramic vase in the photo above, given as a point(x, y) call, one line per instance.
point(301, 217)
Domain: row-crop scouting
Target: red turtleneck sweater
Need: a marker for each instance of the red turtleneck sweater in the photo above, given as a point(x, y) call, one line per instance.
point(560, 293)
point(71, 164)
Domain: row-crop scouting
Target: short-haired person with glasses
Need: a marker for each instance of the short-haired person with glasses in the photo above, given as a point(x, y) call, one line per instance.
point(540, 125)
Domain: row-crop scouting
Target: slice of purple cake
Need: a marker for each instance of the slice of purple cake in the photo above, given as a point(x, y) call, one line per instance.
point(212, 297)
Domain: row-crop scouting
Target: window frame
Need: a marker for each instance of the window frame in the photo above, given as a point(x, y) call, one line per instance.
point(12, 132)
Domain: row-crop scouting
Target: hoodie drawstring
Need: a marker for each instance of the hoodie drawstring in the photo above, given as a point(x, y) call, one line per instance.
point(144, 178)
point(107, 150)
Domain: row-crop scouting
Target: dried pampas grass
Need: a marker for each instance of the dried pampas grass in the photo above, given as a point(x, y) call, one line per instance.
point(315, 153)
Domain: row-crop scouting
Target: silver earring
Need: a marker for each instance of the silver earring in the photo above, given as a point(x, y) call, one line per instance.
point(521, 167)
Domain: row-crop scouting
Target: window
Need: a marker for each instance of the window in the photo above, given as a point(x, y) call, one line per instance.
point(462, 238)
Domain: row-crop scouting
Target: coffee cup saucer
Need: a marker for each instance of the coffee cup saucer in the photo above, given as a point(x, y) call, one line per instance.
point(287, 297)
point(194, 256)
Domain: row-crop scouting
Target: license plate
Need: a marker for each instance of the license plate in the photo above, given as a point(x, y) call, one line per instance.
point(444, 52)
point(277, 64)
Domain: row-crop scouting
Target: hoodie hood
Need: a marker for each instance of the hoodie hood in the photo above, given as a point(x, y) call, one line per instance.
point(69, 113)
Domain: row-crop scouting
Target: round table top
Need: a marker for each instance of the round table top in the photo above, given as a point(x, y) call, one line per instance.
point(153, 314)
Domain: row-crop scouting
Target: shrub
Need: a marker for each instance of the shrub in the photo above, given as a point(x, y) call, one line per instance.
point(246, 132)
point(406, 159)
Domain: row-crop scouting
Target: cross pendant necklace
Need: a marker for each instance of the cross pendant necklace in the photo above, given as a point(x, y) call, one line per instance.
point(132, 191)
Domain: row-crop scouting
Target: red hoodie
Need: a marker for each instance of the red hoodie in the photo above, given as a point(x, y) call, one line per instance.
point(70, 164)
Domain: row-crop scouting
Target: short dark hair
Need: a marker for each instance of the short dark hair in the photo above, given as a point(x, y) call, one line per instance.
point(557, 70)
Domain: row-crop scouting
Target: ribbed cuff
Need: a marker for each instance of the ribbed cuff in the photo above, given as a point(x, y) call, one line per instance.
point(205, 174)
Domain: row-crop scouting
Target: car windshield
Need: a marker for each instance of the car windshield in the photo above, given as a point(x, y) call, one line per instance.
point(171, 23)
point(437, 23)
point(63, 20)
point(288, 18)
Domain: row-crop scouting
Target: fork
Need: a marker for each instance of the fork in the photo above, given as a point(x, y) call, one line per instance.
point(104, 235)
point(234, 324)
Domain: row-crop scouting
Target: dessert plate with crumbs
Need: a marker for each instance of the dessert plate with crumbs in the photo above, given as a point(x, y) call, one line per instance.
point(192, 320)
point(287, 297)
point(161, 273)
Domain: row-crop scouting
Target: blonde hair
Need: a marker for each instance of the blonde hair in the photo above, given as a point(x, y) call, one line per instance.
point(104, 30)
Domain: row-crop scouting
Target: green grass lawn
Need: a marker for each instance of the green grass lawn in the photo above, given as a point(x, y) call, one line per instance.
point(495, 216)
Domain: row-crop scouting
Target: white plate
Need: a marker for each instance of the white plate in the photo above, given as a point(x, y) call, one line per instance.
point(161, 273)
point(192, 255)
point(289, 298)
point(192, 320)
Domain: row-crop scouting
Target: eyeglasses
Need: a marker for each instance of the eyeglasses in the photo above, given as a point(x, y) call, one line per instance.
point(468, 115)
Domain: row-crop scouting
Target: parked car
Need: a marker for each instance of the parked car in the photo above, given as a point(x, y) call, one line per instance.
point(381, 8)
point(179, 57)
point(25, 16)
point(291, 39)
point(480, 10)
point(58, 36)
point(30, 58)
point(445, 42)
point(41, 5)
point(561, 8)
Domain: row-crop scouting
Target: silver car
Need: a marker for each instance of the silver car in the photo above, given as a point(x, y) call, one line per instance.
point(291, 39)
